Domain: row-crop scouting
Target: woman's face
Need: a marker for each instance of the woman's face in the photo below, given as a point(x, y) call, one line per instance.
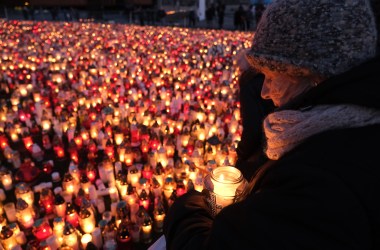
point(281, 88)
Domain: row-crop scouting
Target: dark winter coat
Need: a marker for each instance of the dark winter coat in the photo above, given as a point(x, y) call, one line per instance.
point(324, 194)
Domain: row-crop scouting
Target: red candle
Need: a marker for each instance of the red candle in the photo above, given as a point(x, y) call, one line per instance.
point(153, 144)
point(59, 152)
point(72, 215)
point(3, 142)
point(144, 199)
point(78, 141)
point(147, 172)
point(135, 135)
point(73, 151)
point(74, 156)
point(47, 200)
point(41, 229)
point(144, 147)
point(92, 146)
point(109, 149)
point(28, 142)
point(91, 173)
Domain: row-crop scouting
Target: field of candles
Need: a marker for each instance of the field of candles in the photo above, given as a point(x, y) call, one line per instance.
point(103, 126)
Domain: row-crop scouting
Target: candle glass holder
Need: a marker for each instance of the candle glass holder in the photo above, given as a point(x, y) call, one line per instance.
point(222, 187)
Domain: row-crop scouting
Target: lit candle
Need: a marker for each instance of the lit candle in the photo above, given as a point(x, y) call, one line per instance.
point(159, 216)
point(70, 237)
point(28, 141)
point(25, 214)
point(47, 200)
point(59, 151)
point(3, 222)
point(225, 182)
point(72, 215)
point(146, 230)
point(86, 221)
point(8, 239)
point(119, 137)
point(144, 199)
point(91, 172)
point(3, 142)
point(134, 176)
point(59, 206)
point(124, 239)
point(68, 183)
point(6, 180)
point(128, 156)
point(58, 227)
point(169, 186)
point(114, 195)
point(85, 183)
point(86, 238)
point(41, 229)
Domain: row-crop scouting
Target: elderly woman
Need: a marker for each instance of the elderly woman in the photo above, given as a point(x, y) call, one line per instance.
point(320, 188)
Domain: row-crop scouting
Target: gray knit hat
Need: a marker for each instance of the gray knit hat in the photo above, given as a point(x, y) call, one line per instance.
point(327, 37)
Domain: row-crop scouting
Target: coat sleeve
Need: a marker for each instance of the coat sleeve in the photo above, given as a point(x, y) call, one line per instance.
point(188, 223)
point(296, 207)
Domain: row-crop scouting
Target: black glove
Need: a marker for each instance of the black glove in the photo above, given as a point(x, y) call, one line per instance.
point(188, 222)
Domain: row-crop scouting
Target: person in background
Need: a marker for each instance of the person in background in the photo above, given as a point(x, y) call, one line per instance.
point(210, 13)
point(221, 10)
point(320, 187)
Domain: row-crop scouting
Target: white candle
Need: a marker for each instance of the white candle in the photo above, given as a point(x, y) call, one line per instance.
point(86, 238)
point(146, 233)
point(53, 242)
point(10, 211)
point(225, 181)
point(6, 180)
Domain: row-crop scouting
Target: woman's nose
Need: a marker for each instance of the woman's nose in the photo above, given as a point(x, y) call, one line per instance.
point(266, 89)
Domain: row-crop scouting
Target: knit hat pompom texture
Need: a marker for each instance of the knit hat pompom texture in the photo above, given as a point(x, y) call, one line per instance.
point(300, 37)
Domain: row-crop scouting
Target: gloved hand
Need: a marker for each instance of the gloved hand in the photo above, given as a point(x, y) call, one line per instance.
point(188, 222)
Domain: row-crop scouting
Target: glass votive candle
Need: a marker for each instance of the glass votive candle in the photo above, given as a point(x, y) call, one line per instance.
point(24, 213)
point(41, 229)
point(59, 206)
point(72, 215)
point(226, 180)
point(223, 185)
point(70, 237)
point(47, 200)
point(86, 221)
point(146, 230)
point(169, 186)
point(86, 238)
point(58, 227)
point(7, 237)
point(6, 180)
point(159, 216)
